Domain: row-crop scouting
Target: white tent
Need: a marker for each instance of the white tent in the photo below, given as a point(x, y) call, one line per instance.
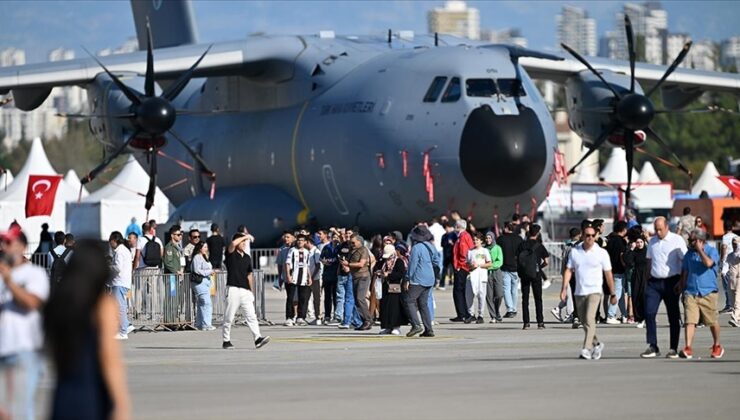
point(615, 171)
point(648, 174)
point(74, 181)
point(708, 182)
point(5, 180)
point(13, 201)
point(585, 176)
point(112, 207)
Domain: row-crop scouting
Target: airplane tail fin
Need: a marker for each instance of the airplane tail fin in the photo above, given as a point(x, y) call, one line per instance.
point(172, 22)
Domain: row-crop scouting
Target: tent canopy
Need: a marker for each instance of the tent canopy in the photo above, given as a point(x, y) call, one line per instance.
point(615, 170)
point(708, 182)
point(648, 174)
point(74, 181)
point(37, 163)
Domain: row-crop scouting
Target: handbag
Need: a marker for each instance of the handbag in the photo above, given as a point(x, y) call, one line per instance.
point(394, 288)
point(195, 278)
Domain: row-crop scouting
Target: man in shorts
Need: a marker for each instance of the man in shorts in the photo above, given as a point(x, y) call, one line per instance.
point(699, 286)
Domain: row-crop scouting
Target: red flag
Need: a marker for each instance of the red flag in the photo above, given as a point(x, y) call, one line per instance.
point(732, 183)
point(40, 195)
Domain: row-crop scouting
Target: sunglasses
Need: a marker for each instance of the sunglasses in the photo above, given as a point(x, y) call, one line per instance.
point(590, 236)
point(195, 237)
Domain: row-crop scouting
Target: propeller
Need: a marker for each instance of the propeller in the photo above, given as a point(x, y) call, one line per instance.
point(631, 111)
point(152, 117)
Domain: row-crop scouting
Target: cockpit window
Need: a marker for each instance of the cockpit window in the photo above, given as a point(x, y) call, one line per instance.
point(452, 94)
point(486, 88)
point(435, 89)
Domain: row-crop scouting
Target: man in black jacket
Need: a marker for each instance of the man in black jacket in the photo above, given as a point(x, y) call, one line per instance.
point(509, 243)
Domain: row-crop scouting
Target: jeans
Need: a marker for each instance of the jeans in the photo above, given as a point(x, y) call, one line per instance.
point(417, 301)
point(511, 283)
point(458, 294)
point(536, 285)
point(22, 372)
point(202, 294)
point(726, 288)
point(120, 294)
point(346, 311)
point(655, 291)
point(330, 299)
point(618, 284)
point(431, 303)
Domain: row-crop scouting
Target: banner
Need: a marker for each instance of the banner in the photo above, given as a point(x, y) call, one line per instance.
point(41, 194)
point(732, 183)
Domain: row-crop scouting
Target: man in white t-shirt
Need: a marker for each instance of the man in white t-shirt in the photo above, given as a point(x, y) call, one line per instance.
point(589, 261)
point(24, 288)
point(726, 249)
point(121, 282)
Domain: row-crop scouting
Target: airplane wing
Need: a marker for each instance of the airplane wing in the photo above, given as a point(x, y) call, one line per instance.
point(646, 74)
point(265, 59)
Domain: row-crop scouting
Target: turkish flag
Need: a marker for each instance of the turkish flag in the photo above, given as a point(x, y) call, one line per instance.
point(732, 183)
point(42, 190)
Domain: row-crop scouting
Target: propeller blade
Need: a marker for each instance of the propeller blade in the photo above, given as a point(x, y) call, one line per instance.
point(629, 148)
point(130, 94)
point(149, 201)
point(149, 77)
point(174, 89)
point(709, 109)
point(205, 113)
point(631, 50)
point(68, 115)
point(681, 55)
point(95, 172)
point(593, 70)
point(195, 155)
point(598, 143)
point(598, 110)
point(668, 150)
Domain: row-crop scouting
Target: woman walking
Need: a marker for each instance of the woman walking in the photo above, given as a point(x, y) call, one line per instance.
point(200, 281)
point(391, 269)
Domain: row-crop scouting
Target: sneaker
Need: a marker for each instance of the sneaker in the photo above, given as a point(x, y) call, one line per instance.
point(414, 330)
point(208, 328)
point(596, 352)
point(227, 345)
point(726, 309)
point(717, 352)
point(492, 321)
point(556, 313)
point(672, 354)
point(343, 326)
point(457, 319)
point(289, 323)
point(585, 354)
point(121, 336)
point(386, 331)
point(612, 321)
point(427, 334)
point(376, 322)
point(260, 342)
point(640, 324)
point(315, 322)
point(569, 319)
point(541, 326)
point(631, 320)
point(469, 319)
point(333, 322)
point(395, 331)
point(301, 322)
point(686, 353)
point(576, 324)
point(700, 325)
point(480, 320)
point(650, 352)
point(499, 319)
point(442, 289)
point(546, 284)
point(733, 323)
point(623, 319)
point(525, 327)
point(130, 329)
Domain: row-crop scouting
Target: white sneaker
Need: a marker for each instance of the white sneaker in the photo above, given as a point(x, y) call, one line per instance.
point(289, 323)
point(120, 336)
point(209, 328)
point(301, 322)
point(585, 354)
point(612, 321)
point(395, 331)
point(492, 321)
point(130, 329)
point(640, 324)
point(596, 353)
point(546, 284)
point(556, 313)
point(442, 289)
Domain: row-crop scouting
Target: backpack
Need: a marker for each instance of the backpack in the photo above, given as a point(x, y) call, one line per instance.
point(58, 265)
point(152, 253)
point(528, 263)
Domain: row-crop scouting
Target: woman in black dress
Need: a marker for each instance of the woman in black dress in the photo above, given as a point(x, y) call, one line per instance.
point(392, 269)
point(81, 320)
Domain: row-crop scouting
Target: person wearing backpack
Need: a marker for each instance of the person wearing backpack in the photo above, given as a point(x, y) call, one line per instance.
point(150, 247)
point(531, 258)
point(58, 258)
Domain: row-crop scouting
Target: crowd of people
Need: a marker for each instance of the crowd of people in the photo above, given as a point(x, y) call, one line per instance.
point(335, 277)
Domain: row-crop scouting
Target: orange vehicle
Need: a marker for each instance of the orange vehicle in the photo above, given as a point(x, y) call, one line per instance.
point(714, 211)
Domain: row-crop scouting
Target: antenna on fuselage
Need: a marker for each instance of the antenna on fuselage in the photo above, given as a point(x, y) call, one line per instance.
point(390, 36)
point(436, 39)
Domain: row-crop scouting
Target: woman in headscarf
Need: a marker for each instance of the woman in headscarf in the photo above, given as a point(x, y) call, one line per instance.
point(391, 268)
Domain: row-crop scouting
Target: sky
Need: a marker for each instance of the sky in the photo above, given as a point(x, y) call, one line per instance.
point(40, 26)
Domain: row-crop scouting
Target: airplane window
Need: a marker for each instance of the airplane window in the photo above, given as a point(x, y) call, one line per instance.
point(480, 88)
point(435, 89)
point(452, 94)
point(511, 87)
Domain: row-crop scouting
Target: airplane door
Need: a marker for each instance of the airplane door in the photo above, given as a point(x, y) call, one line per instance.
point(331, 188)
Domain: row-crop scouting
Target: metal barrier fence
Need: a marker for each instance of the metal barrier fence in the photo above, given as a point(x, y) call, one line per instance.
point(554, 268)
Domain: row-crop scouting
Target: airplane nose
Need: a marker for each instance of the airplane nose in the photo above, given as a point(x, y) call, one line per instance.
point(502, 155)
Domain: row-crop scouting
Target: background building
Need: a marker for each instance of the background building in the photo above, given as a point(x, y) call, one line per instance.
point(456, 18)
point(577, 30)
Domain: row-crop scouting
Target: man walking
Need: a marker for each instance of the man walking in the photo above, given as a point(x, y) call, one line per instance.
point(725, 250)
point(420, 281)
point(699, 287)
point(239, 295)
point(532, 257)
point(588, 261)
point(121, 282)
point(665, 253)
point(616, 246)
point(460, 263)
point(509, 243)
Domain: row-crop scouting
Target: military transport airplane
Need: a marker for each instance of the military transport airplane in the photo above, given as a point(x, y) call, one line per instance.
point(374, 131)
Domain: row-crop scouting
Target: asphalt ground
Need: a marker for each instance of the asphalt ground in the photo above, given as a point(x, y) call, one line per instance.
point(486, 371)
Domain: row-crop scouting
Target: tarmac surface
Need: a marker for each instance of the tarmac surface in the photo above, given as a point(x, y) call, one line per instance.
point(467, 371)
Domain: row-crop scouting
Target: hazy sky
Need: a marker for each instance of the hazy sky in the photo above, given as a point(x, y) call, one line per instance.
point(40, 26)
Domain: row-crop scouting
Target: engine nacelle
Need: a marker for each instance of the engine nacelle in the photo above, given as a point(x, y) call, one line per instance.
point(586, 92)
